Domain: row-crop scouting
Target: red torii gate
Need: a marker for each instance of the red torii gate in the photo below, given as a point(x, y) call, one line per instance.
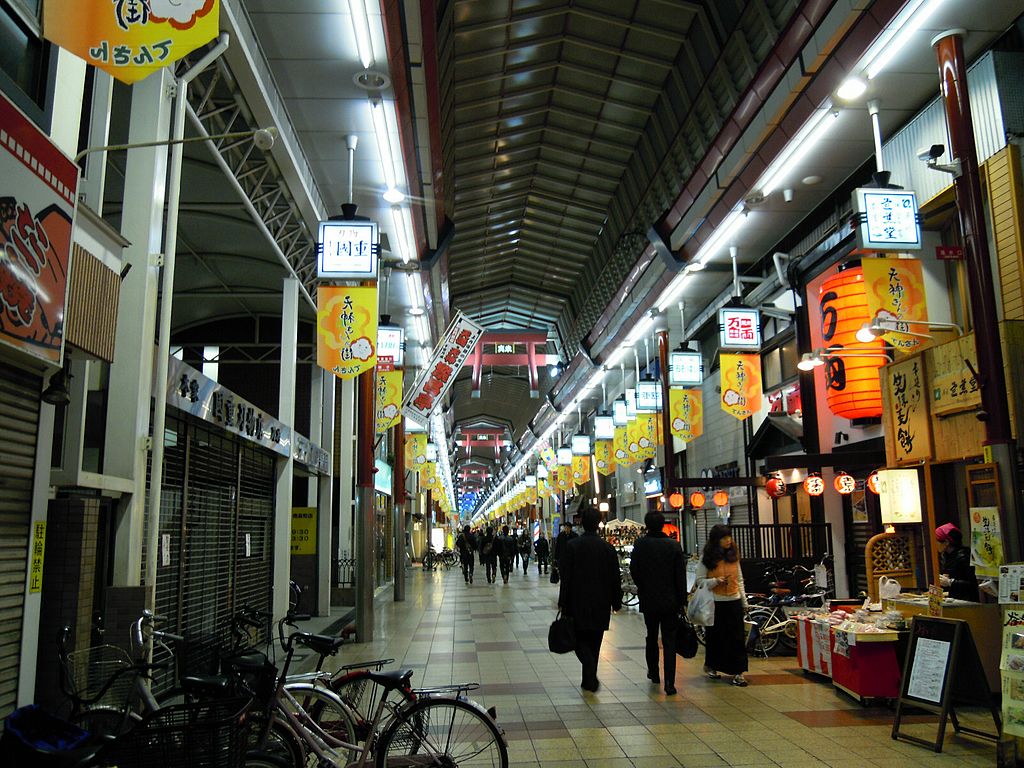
point(506, 346)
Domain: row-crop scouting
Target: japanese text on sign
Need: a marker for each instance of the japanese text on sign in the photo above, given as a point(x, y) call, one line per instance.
point(347, 250)
point(910, 424)
point(740, 328)
point(889, 219)
point(432, 385)
point(35, 571)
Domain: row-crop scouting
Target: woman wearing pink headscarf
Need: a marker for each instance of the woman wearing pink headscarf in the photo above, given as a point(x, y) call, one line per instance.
point(956, 571)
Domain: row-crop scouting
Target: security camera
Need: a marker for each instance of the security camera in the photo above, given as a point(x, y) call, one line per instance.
point(264, 138)
point(931, 154)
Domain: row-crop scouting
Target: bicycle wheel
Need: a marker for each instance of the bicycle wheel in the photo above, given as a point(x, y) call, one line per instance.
point(278, 741)
point(258, 759)
point(362, 695)
point(326, 717)
point(103, 721)
point(630, 598)
point(442, 732)
point(762, 642)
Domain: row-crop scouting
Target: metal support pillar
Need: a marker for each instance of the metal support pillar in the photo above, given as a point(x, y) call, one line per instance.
point(400, 504)
point(994, 406)
point(345, 467)
point(325, 496)
point(285, 466)
point(364, 507)
point(94, 178)
point(131, 373)
point(661, 325)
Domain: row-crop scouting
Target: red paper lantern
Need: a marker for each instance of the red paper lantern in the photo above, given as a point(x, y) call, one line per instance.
point(697, 499)
point(852, 389)
point(844, 484)
point(872, 483)
point(721, 498)
point(676, 500)
point(814, 485)
point(775, 487)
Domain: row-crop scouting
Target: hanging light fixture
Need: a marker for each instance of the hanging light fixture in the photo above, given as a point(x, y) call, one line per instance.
point(814, 485)
point(721, 498)
point(697, 499)
point(844, 484)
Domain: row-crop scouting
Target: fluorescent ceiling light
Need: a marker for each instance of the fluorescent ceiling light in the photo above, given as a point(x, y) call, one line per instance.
point(802, 143)
point(675, 288)
point(895, 38)
point(852, 88)
point(378, 114)
point(393, 195)
point(414, 292)
point(361, 27)
point(400, 216)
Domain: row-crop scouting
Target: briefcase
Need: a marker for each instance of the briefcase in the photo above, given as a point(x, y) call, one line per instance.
point(561, 635)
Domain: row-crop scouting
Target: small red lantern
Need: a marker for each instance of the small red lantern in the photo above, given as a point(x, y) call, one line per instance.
point(697, 499)
point(873, 483)
point(721, 498)
point(844, 483)
point(776, 487)
point(814, 485)
point(676, 500)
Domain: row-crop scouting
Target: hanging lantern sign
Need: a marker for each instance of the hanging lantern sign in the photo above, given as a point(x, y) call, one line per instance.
point(564, 456)
point(697, 500)
point(686, 369)
point(814, 485)
point(844, 484)
point(776, 487)
point(887, 219)
point(874, 483)
point(740, 328)
point(620, 413)
point(604, 428)
point(721, 498)
point(346, 329)
point(631, 405)
point(676, 499)
point(648, 396)
point(741, 385)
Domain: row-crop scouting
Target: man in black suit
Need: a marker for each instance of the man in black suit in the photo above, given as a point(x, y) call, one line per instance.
point(591, 588)
point(659, 573)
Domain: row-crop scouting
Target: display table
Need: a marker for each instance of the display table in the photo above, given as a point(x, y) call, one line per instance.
point(864, 664)
point(814, 645)
point(984, 620)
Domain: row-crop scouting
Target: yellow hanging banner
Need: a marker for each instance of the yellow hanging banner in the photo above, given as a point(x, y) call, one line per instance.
point(564, 481)
point(531, 495)
point(389, 400)
point(621, 445)
point(547, 456)
point(604, 457)
point(346, 329)
point(650, 434)
point(544, 488)
point(741, 385)
point(416, 450)
point(580, 470)
point(429, 478)
point(895, 293)
point(687, 410)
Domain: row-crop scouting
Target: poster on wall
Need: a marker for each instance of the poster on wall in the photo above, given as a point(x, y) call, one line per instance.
point(346, 329)
point(908, 410)
point(895, 293)
point(37, 206)
point(686, 407)
point(986, 540)
point(741, 385)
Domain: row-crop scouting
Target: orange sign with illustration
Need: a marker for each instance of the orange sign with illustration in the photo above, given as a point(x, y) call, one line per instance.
point(686, 406)
point(580, 470)
point(564, 478)
point(895, 293)
point(130, 39)
point(604, 457)
point(620, 444)
point(741, 385)
point(389, 400)
point(346, 329)
point(416, 450)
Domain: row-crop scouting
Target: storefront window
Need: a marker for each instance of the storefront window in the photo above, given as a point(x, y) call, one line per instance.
point(23, 65)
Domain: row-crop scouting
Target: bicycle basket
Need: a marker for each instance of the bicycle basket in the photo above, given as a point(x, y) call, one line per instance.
point(91, 669)
point(254, 671)
point(208, 734)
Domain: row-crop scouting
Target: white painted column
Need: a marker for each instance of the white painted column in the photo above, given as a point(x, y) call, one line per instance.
point(325, 496)
point(347, 469)
point(90, 188)
point(131, 374)
point(68, 95)
point(285, 414)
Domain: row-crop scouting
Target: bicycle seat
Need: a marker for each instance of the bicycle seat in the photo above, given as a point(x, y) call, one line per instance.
point(393, 678)
point(324, 645)
point(781, 591)
point(211, 685)
point(247, 661)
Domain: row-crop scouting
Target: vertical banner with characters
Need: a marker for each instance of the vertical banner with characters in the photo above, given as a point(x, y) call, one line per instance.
point(908, 410)
point(37, 204)
point(895, 292)
point(580, 470)
point(604, 457)
point(439, 374)
point(650, 434)
point(986, 541)
point(564, 477)
point(415, 450)
point(544, 489)
point(687, 410)
point(130, 39)
point(620, 443)
point(741, 385)
point(429, 478)
point(346, 329)
point(389, 400)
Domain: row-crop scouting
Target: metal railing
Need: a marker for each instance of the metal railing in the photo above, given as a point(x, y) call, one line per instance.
point(344, 571)
point(783, 541)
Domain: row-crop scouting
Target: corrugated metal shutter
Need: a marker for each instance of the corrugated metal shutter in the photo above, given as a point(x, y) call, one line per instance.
point(19, 425)
point(254, 571)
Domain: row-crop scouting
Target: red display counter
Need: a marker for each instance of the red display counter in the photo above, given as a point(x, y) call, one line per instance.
point(865, 665)
point(814, 646)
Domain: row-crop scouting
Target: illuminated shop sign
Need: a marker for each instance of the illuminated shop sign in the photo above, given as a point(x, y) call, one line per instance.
point(685, 369)
point(887, 219)
point(347, 250)
point(740, 328)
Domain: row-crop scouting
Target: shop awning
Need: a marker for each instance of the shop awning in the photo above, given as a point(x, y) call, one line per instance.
point(778, 433)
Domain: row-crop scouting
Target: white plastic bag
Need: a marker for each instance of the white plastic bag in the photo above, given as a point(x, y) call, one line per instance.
point(888, 588)
point(701, 610)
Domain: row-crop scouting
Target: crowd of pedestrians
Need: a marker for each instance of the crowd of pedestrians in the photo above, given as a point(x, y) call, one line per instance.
point(500, 552)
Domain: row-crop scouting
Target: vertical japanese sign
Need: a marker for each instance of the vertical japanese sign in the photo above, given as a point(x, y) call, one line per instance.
point(563, 477)
point(895, 291)
point(37, 204)
point(741, 385)
point(908, 410)
point(580, 470)
point(686, 407)
point(35, 569)
point(416, 450)
point(739, 328)
point(604, 457)
point(986, 540)
point(346, 329)
point(620, 443)
point(303, 531)
point(389, 400)
point(430, 388)
point(130, 39)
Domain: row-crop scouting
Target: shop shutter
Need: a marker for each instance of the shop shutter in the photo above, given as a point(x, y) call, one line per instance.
point(19, 425)
point(254, 570)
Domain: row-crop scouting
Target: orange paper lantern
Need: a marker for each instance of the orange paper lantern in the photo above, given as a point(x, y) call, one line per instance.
point(776, 487)
point(721, 498)
point(872, 483)
point(676, 500)
point(844, 483)
point(697, 499)
point(852, 389)
point(814, 485)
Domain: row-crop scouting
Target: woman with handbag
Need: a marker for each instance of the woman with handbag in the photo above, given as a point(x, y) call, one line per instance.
point(725, 640)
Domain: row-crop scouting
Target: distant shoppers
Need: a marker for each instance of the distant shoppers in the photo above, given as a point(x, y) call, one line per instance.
point(565, 535)
point(465, 545)
point(659, 573)
point(489, 554)
point(726, 640)
point(956, 573)
point(542, 549)
point(590, 590)
point(506, 553)
point(525, 547)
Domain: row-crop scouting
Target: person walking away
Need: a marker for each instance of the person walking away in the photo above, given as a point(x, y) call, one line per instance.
point(515, 541)
point(506, 553)
point(525, 546)
point(542, 550)
point(956, 573)
point(465, 544)
point(725, 641)
point(489, 554)
point(565, 535)
point(589, 591)
point(659, 573)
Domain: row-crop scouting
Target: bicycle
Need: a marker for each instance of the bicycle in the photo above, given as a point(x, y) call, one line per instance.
point(630, 594)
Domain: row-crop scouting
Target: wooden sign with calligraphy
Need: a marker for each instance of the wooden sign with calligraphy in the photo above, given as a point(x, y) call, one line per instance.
point(953, 386)
point(908, 410)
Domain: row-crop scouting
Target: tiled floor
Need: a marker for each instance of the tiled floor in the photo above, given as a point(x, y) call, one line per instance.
point(497, 634)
